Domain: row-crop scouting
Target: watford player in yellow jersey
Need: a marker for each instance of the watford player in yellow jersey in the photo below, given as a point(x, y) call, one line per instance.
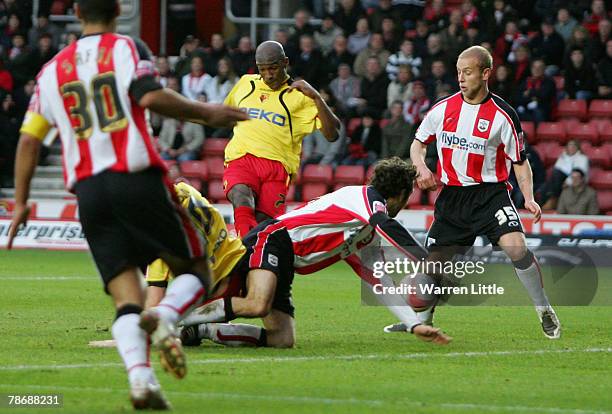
point(264, 152)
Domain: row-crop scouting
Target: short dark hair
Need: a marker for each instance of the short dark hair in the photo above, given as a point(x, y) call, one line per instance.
point(392, 176)
point(98, 11)
point(579, 171)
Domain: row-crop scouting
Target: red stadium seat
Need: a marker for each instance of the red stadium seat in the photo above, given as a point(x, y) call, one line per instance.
point(195, 183)
point(352, 125)
point(317, 173)
point(572, 108)
point(310, 191)
point(598, 156)
point(195, 170)
point(604, 199)
point(582, 131)
point(604, 127)
point(601, 180)
point(369, 173)
point(415, 197)
point(349, 175)
point(338, 186)
point(548, 152)
point(529, 131)
point(551, 131)
point(215, 191)
point(214, 147)
point(291, 193)
point(215, 167)
point(600, 108)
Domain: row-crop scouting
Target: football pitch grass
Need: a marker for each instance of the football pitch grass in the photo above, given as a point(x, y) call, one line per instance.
point(52, 305)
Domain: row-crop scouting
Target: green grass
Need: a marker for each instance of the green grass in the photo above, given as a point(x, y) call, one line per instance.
point(47, 322)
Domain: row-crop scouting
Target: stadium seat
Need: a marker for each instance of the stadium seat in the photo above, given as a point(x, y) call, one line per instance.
point(349, 175)
point(215, 167)
point(338, 186)
point(415, 198)
point(369, 173)
point(195, 170)
point(311, 191)
point(214, 147)
point(600, 108)
point(572, 108)
point(291, 194)
point(604, 127)
point(317, 173)
point(215, 191)
point(582, 131)
point(195, 183)
point(352, 125)
point(529, 131)
point(600, 179)
point(604, 199)
point(598, 156)
point(551, 131)
point(548, 152)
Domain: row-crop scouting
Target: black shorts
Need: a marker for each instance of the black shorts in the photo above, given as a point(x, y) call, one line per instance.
point(269, 247)
point(462, 213)
point(129, 219)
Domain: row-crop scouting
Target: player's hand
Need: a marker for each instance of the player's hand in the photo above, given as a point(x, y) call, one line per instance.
point(305, 88)
point(430, 334)
point(425, 178)
point(20, 216)
point(219, 115)
point(535, 209)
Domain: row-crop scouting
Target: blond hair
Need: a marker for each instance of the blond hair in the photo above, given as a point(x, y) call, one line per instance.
point(485, 60)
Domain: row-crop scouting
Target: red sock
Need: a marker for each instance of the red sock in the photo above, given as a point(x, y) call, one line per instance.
point(244, 220)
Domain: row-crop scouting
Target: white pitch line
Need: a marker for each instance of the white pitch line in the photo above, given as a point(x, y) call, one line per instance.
point(416, 355)
point(327, 401)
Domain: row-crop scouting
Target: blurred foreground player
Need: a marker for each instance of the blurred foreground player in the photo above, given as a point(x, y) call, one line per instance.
point(95, 91)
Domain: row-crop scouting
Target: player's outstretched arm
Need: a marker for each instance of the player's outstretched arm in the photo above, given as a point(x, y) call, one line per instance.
point(330, 124)
point(25, 164)
point(430, 334)
point(524, 177)
point(171, 104)
point(425, 178)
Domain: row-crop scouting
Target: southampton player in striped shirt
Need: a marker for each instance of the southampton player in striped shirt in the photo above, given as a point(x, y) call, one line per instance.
point(479, 140)
point(95, 92)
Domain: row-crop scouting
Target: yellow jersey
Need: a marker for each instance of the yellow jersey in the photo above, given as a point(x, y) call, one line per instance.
point(279, 121)
point(223, 250)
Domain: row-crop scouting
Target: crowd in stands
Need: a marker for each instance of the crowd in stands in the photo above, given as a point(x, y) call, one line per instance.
point(381, 65)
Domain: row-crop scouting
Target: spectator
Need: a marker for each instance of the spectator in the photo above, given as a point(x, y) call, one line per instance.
point(497, 18)
point(195, 82)
point(326, 34)
point(309, 64)
point(470, 13)
point(164, 71)
point(13, 27)
point(243, 59)
point(397, 135)
point(579, 80)
point(599, 41)
point(218, 88)
point(536, 95)
point(452, 36)
point(405, 56)
point(581, 39)
point(472, 36)
point(520, 65)
point(346, 90)
point(282, 37)
point(190, 48)
point(598, 12)
point(43, 26)
point(347, 14)
point(376, 49)
point(440, 83)
point(416, 108)
point(420, 39)
point(178, 140)
point(570, 159)
point(508, 42)
point(390, 34)
point(339, 55)
point(6, 79)
point(364, 145)
point(401, 88)
point(373, 88)
point(9, 136)
point(214, 54)
point(42, 53)
point(604, 74)
point(359, 40)
point(436, 14)
point(549, 46)
point(19, 62)
point(434, 52)
point(578, 198)
point(301, 27)
point(384, 10)
point(22, 97)
point(503, 84)
point(565, 24)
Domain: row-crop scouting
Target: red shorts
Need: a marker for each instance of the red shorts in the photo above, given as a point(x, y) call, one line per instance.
point(267, 178)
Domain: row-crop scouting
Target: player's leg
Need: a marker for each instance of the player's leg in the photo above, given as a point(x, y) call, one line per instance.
point(271, 202)
point(504, 228)
point(241, 185)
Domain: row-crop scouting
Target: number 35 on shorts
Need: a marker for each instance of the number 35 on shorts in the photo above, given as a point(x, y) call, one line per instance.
point(507, 214)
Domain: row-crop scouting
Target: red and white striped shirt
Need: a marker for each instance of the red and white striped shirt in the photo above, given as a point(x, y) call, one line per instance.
point(476, 143)
point(84, 92)
point(337, 225)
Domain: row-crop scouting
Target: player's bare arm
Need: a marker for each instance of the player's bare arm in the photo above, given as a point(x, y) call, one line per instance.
point(330, 123)
point(168, 103)
point(430, 334)
point(25, 164)
point(524, 177)
point(425, 178)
